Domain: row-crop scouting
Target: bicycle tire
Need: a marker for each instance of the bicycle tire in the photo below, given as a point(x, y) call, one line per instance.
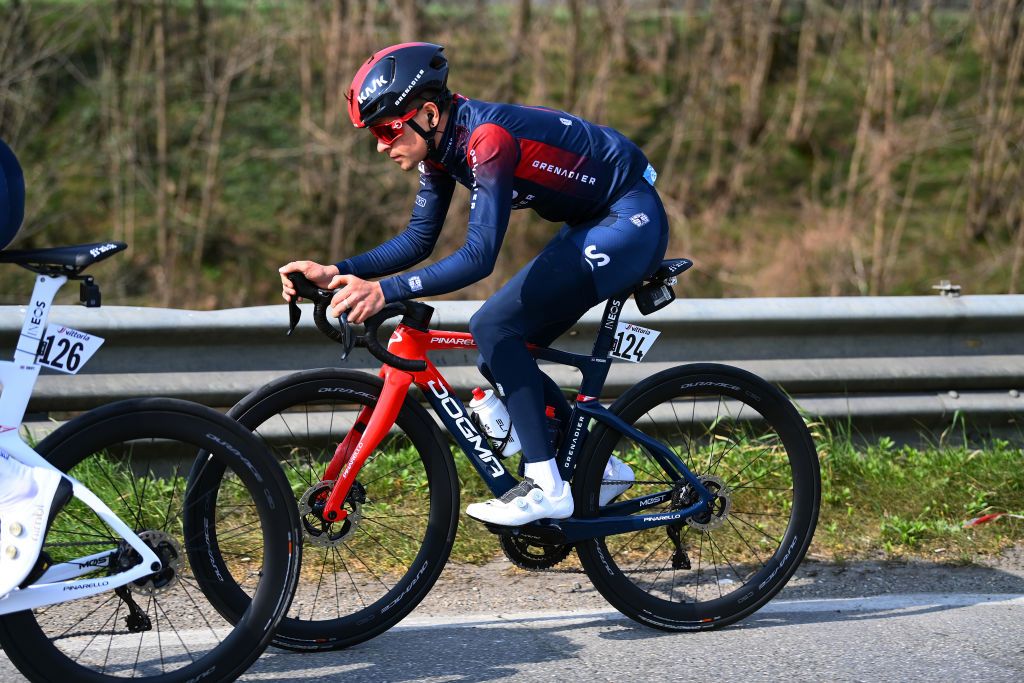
point(398, 554)
point(104, 448)
point(759, 532)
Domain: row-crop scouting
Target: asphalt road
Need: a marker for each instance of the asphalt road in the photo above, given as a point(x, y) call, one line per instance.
point(881, 620)
point(920, 637)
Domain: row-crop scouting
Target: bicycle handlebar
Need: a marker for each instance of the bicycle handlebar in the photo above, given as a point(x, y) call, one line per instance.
point(321, 299)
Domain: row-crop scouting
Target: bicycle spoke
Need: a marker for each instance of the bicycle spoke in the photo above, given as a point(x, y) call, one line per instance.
point(714, 563)
point(381, 545)
point(761, 531)
point(721, 554)
point(762, 476)
point(366, 566)
point(400, 533)
point(749, 464)
point(745, 541)
point(351, 578)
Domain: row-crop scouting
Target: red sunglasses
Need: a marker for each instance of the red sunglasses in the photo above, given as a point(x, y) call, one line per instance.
point(392, 130)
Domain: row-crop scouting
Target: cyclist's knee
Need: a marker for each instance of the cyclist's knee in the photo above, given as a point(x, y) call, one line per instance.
point(488, 329)
point(484, 369)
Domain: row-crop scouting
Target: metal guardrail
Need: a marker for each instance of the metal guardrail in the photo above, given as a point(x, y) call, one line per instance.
point(884, 362)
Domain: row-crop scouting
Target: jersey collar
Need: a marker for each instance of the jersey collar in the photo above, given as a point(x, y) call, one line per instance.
point(445, 151)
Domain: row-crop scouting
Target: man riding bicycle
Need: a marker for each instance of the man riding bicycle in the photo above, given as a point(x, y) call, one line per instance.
point(569, 170)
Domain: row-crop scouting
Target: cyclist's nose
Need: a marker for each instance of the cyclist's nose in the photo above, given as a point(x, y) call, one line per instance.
point(382, 148)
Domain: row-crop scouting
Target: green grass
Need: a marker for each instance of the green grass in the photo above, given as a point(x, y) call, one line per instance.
point(901, 501)
point(878, 500)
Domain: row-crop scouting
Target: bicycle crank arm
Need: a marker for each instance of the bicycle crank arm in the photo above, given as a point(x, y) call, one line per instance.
point(574, 529)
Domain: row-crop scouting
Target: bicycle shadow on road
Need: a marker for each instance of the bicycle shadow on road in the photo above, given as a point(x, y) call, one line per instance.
point(456, 654)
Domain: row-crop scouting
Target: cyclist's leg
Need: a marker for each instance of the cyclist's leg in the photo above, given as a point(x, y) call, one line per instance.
point(553, 395)
point(553, 291)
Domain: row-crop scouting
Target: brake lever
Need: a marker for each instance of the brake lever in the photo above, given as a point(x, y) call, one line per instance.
point(303, 288)
point(348, 339)
point(294, 315)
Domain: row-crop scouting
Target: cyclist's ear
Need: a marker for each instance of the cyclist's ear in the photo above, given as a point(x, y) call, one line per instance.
point(430, 108)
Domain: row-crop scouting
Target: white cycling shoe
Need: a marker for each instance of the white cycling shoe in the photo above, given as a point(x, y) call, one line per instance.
point(24, 519)
point(616, 471)
point(523, 504)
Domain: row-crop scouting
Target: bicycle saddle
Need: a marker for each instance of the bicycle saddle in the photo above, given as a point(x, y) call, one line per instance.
point(73, 258)
point(670, 268)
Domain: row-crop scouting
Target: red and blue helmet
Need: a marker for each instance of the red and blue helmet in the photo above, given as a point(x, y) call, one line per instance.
point(393, 77)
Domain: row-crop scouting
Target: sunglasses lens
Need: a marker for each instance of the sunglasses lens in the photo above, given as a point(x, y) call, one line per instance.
point(386, 133)
point(392, 130)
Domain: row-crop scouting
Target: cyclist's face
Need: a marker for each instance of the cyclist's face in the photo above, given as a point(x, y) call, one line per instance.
point(409, 149)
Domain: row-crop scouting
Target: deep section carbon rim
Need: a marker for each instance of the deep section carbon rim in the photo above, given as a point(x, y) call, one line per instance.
point(164, 627)
point(745, 442)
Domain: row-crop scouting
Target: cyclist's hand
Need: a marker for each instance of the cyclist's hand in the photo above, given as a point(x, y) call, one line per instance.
point(321, 276)
point(359, 297)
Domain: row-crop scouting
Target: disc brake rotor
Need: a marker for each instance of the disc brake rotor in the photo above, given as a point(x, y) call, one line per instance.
point(720, 506)
point(168, 549)
point(318, 531)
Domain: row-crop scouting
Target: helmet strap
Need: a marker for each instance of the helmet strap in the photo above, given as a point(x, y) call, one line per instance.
point(426, 135)
point(442, 102)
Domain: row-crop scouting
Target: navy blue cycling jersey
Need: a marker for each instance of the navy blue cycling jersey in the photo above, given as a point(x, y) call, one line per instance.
point(510, 157)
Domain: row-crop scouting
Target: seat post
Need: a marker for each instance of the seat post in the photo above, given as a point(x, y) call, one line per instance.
point(609, 323)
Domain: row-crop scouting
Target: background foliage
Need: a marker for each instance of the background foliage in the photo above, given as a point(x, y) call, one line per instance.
point(805, 147)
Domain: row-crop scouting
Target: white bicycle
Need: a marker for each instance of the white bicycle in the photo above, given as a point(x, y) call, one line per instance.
point(152, 570)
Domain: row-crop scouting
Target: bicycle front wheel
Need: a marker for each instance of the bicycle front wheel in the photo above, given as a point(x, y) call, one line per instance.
point(360, 576)
point(745, 442)
point(136, 456)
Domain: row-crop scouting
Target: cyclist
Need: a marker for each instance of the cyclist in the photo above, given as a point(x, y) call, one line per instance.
point(588, 177)
point(29, 496)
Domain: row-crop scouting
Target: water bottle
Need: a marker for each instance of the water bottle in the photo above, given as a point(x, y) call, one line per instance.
point(493, 417)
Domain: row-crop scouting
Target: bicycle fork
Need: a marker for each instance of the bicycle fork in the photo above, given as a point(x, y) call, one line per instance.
point(370, 428)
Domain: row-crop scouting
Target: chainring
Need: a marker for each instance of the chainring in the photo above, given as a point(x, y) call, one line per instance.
point(534, 558)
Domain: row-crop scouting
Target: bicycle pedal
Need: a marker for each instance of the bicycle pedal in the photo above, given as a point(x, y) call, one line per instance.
point(546, 534)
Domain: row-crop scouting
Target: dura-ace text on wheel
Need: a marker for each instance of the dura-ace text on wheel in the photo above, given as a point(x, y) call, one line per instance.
point(747, 444)
point(136, 456)
point(363, 574)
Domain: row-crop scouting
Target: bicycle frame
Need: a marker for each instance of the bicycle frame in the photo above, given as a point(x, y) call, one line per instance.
point(18, 378)
point(374, 422)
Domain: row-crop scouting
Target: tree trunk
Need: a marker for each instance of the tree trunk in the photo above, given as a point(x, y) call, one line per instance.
point(805, 54)
point(573, 56)
point(165, 259)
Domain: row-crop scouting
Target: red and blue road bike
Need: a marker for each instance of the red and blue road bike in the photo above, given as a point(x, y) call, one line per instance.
point(721, 512)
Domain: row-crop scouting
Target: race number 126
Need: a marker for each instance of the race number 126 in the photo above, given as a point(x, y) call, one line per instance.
point(66, 350)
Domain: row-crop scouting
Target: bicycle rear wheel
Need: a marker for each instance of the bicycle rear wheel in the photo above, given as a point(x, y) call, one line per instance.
point(135, 456)
point(743, 439)
point(361, 576)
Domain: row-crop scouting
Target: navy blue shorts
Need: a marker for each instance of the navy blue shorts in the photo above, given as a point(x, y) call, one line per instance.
point(581, 267)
